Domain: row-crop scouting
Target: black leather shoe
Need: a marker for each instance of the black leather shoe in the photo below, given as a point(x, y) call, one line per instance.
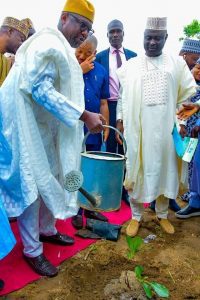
point(1, 284)
point(173, 205)
point(95, 215)
point(188, 212)
point(58, 238)
point(77, 222)
point(41, 265)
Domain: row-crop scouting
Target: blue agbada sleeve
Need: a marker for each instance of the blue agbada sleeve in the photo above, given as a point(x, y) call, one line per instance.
point(45, 94)
point(7, 239)
point(5, 151)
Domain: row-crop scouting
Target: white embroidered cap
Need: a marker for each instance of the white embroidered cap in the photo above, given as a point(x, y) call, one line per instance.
point(156, 23)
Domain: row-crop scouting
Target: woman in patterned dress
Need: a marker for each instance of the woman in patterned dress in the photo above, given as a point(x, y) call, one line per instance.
point(192, 121)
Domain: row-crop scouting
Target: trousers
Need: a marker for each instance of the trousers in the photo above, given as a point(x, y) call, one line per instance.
point(161, 207)
point(35, 220)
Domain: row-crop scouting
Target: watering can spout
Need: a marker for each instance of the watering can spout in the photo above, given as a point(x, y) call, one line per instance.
point(73, 182)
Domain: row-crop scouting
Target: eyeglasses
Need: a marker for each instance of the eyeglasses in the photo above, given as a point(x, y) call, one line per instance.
point(83, 25)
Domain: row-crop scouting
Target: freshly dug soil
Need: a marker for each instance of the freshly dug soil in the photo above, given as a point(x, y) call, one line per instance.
point(95, 273)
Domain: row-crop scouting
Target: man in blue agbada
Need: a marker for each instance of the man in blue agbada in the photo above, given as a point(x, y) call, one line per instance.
point(7, 239)
point(42, 107)
point(13, 34)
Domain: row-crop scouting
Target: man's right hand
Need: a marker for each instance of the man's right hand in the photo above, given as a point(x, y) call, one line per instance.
point(120, 127)
point(88, 64)
point(94, 122)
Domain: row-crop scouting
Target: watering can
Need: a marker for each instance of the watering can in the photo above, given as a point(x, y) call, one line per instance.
point(103, 174)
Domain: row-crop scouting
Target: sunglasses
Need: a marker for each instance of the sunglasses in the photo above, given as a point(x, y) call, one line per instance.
point(83, 25)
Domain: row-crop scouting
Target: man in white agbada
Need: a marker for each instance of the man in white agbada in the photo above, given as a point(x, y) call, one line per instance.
point(44, 94)
point(152, 87)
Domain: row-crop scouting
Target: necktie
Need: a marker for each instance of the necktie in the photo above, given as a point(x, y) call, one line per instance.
point(118, 57)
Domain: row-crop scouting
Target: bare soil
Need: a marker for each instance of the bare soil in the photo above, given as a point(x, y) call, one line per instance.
point(173, 260)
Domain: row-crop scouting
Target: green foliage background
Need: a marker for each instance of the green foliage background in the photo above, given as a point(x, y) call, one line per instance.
point(191, 30)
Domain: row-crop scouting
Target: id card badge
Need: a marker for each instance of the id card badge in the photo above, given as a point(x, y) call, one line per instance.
point(189, 152)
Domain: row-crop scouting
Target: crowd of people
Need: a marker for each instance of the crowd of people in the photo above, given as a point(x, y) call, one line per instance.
point(50, 96)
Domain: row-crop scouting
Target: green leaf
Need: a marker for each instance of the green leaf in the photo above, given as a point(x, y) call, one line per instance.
point(137, 242)
point(129, 242)
point(147, 289)
point(160, 289)
point(134, 243)
point(138, 271)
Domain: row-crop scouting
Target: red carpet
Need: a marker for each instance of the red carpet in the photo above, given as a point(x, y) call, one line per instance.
point(16, 273)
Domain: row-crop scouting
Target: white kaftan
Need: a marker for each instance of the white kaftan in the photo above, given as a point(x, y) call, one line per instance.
point(44, 89)
point(151, 90)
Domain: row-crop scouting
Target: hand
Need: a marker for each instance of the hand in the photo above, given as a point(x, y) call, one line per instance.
point(88, 64)
point(120, 127)
point(183, 131)
point(94, 122)
point(106, 134)
point(187, 111)
point(195, 132)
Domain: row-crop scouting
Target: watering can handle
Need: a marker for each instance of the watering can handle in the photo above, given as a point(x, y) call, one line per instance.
point(111, 127)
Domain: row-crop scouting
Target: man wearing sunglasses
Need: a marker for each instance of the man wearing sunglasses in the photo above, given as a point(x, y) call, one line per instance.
point(74, 26)
point(42, 105)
